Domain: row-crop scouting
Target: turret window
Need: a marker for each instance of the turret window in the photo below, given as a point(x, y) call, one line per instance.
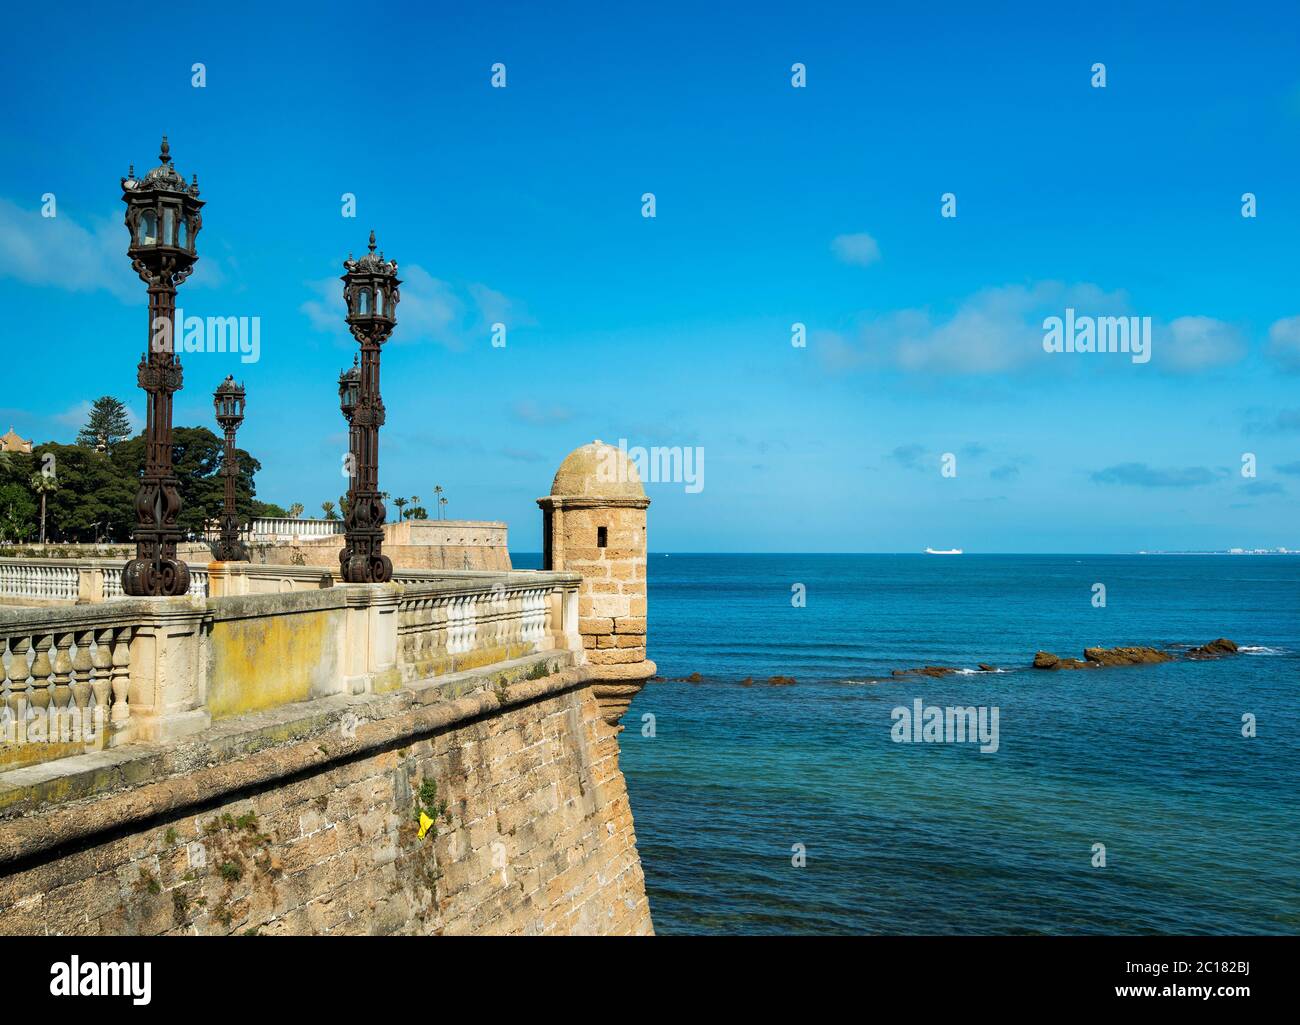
point(602, 537)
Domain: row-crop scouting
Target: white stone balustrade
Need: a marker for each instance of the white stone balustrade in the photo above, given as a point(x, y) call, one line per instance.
point(44, 580)
point(288, 529)
point(438, 621)
point(65, 677)
point(109, 670)
point(25, 581)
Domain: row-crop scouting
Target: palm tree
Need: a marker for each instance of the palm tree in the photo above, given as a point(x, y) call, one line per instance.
point(415, 504)
point(443, 502)
point(400, 503)
point(328, 509)
point(295, 510)
point(437, 498)
point(43, 484)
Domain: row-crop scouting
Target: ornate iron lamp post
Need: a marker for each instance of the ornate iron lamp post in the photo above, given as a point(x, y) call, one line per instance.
point(163, 216)
point(228, 401)
point(371, 294)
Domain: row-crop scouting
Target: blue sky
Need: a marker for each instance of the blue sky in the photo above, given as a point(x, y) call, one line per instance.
point(774, 205)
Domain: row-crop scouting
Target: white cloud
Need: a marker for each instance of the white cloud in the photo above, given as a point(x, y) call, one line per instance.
point(1284, 343)
point(325, 309)
point(531, 412)
point(76, 416)
point(494, 307)
point(1000, 330)
point(993, 331)
point(1197, 343)
point(430, 310)
point(859, 249)
point(59, 252)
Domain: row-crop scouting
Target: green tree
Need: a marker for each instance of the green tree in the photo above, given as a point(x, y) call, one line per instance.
point(43, 484)
point(96, 494)
point(197, 458)
point(417, 512)
point(17, 513)
point(97, 490)
point(401, 504)
point(106, 425)
point(266, 511)
point(328, 509)
point(295, 510)
point(18, 510)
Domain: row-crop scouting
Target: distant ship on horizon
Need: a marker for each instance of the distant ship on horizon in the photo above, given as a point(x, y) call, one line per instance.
point(936, 551)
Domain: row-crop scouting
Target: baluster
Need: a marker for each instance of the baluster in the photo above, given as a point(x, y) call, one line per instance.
point(81, 666)
point(6, 716)
point(101, 671)
point(39, 695)
point(17, 698)
point(405, 640)
point(505, 618)
point(437, 627)
point(60, 682)
point(121, 675)
point(428, 628)
point(456, 626)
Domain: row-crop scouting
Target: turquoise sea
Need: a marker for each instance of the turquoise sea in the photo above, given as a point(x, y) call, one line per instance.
point(1199, 823)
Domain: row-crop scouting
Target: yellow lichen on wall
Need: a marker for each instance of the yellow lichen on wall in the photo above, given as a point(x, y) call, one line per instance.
point(266, 661)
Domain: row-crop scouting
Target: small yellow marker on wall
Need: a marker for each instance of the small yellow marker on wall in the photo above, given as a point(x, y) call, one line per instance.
point(425, 823)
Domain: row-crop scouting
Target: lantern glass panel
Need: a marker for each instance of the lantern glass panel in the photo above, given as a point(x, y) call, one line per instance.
point(363, 303)
point(183, 234)
point(169, 226)
point(148, 230)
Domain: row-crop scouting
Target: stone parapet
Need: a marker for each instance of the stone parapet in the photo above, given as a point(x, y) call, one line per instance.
point(307, 818)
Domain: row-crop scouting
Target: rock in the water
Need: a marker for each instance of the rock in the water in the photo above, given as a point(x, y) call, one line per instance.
point(781, 681)
point(1125, 656)
point(984, 667)
point(1046, 660)
point(934, 672)
point(1214, 649)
